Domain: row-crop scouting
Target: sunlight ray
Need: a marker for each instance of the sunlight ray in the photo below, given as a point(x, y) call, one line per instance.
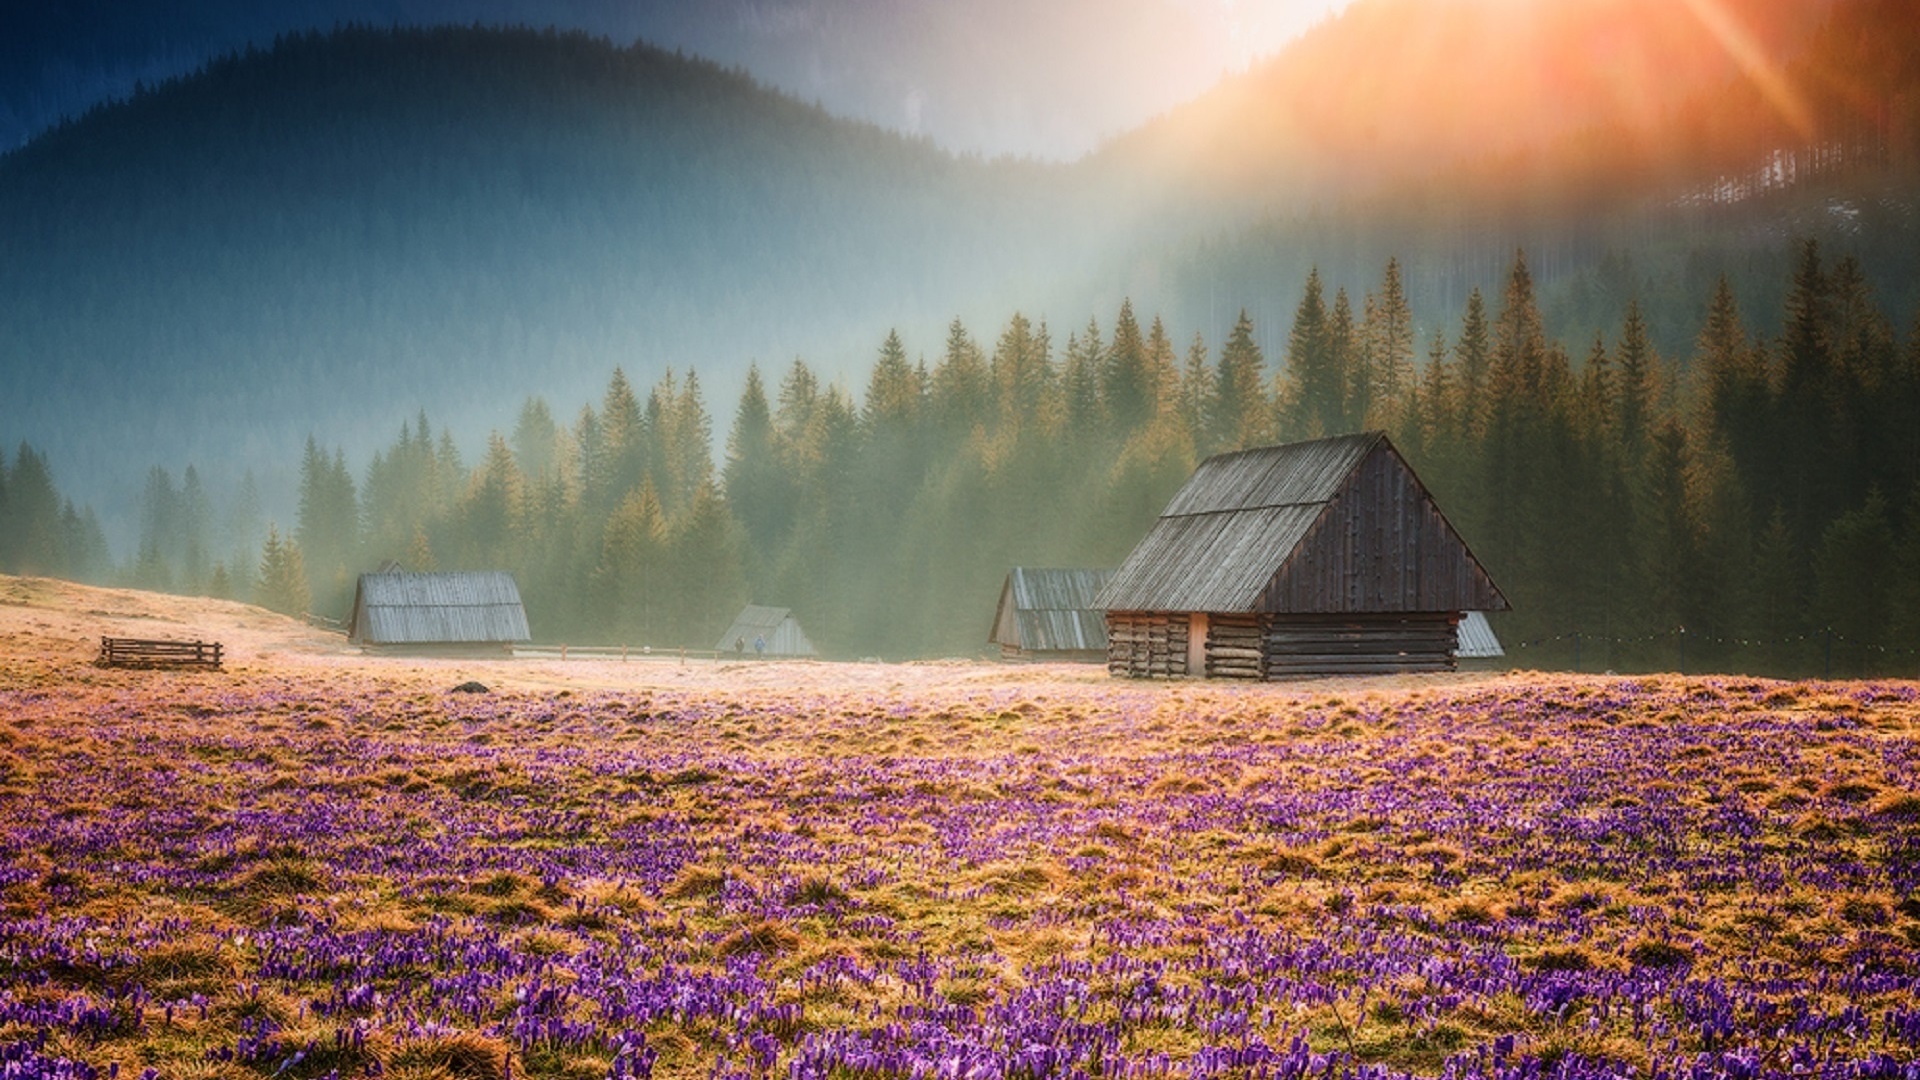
point(1752, 59)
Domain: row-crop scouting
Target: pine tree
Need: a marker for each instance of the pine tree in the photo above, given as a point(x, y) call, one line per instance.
point(1350, 382)
point(328, 529)
point(1127, 385)
point(1388, 335)
point(283, 576)
point(703, 562)
point(491, 511)
point(159, 529)
point(751, 474)
point(1080, 383)
point(85, 544)
point(1805, 420)
point(1634, 400)
point(1239, 416)
point(32, 516)
point(1736, 399)
point(960, 391)
point(1312, 397)
point(1196, 397)
point(1474, 351)
point(628, 577)
point(196, 520)
point(1163, 376)
point(535, 439)
point(622, 452)
point(1021, 374)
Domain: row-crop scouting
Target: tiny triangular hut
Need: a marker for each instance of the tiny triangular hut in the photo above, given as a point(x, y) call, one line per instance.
point(453, 613)
point(1321, 557)
point(1477, 639)
point(1047, 614)
point(775, 627)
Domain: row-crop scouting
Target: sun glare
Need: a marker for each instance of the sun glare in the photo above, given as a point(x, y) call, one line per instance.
point(1753, 62)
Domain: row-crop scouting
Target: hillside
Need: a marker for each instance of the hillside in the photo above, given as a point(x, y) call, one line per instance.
point(1390, 90)
point(329, 235)
point(332, 234)
point(1634, 148)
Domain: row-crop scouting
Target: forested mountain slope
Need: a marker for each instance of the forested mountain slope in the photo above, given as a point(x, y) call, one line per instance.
point(331, 233)
point(1635, 149)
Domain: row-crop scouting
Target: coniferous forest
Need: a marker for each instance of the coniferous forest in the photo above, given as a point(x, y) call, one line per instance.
point(1750, 503)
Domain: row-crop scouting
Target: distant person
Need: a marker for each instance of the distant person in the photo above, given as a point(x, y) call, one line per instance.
point(739, 646)
point(759, 645)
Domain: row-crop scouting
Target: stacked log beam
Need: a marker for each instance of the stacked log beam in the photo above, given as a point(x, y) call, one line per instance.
point(1359, 645)
point(1147, 645)
point(1235, 648)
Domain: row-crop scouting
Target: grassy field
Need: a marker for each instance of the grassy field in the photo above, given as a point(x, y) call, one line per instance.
point(314, 864)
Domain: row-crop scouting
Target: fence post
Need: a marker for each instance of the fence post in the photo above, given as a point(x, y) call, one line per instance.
point(1828, 655)
point(563, 651)
point(1683, 650)
point(1576, 652)
point(623, 652)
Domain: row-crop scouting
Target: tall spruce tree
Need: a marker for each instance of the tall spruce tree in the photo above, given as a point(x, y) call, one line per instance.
point(1128, 382)
point(1240, 415)
point(1312, 396)
point(283, 576)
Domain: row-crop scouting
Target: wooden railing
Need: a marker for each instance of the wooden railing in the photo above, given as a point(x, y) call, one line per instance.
point(139, 652)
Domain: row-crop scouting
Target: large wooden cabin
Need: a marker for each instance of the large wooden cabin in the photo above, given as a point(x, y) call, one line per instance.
point(1313, 558)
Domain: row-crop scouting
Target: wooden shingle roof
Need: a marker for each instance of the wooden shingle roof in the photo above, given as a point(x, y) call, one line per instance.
point(439, 608)
point(1330, 526)
point(1051, 610)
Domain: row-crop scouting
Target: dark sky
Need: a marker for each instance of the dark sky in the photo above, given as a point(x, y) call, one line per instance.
point(1048, 79)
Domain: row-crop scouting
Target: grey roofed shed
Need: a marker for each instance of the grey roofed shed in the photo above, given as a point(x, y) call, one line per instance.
point(774, 625)
point(473, 608)
point(1045, 612)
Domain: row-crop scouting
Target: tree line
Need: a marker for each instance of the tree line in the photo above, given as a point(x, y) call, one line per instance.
point(41, 532)
point(1740, 499)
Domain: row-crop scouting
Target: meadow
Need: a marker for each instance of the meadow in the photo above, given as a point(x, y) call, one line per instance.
point(340, 869)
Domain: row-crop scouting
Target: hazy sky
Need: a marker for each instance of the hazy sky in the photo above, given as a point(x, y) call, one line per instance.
point(1047, 79)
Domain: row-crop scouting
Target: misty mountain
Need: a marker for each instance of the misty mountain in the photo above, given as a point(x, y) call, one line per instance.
point(329, 235)
point(334, 233)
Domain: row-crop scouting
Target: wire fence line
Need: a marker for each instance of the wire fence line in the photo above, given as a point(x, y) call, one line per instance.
point(644, 653)
point(1800, 654)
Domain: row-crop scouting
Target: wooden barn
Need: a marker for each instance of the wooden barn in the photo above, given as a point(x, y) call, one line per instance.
point(1314, 558)
point(445, 613)
point(774, 626)
point(1051, 615)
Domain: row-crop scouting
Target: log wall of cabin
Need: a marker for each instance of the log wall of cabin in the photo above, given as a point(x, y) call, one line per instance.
point(1147, 644)
point(1300, 645)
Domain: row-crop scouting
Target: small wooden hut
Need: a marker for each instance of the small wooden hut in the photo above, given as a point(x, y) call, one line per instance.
point(1477, 639)
point(438, 613)
point(1049, 614)
point(1321, 557)
point(775, 627)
